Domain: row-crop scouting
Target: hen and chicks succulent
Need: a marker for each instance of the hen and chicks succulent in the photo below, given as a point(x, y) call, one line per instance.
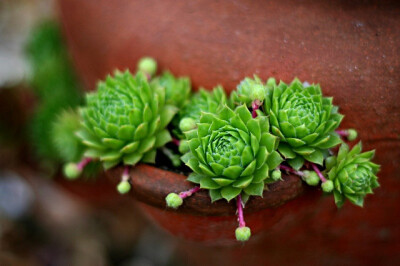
point(235, 146)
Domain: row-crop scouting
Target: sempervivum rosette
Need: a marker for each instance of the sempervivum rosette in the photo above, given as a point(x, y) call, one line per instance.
point(231, 153)
point(249, 90)
point(125, 120)
point(177, 90)
point(353, 174)
point(304, 121)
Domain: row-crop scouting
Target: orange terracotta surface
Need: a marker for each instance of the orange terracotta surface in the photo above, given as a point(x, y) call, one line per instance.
point(350, 47)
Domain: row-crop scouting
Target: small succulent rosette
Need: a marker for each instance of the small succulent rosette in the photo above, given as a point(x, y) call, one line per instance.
point(177, 90)
point(353, 174)
point(124, 121)
point(304, 120)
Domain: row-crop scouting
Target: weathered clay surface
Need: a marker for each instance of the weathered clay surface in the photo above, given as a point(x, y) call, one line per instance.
point(151, 185)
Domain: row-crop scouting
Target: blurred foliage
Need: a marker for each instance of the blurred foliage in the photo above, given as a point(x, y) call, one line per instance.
point(54, 83)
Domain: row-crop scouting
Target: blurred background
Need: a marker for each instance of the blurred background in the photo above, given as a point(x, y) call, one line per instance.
point(44, 219)
point(49, 56)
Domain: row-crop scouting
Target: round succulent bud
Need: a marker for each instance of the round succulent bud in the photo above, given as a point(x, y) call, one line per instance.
point(353, 175)
point(173, 200)
point(71, 170)
point(148, 65)
point(258, 93)
point(276, 175)
point(304, 120)
point(242, 233)
point(177, 90)
point(351, 134)
point(125, 121)
point(310, 177)
point(248, 91)
point(124, 187)
point(330, 162)
point(187, 124)
point(327, 186)
point(184, 146)
point(232, 153)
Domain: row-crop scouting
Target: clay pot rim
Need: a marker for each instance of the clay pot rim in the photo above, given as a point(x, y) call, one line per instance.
point(151, 185)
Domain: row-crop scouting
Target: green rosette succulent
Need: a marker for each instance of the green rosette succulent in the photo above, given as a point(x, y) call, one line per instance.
point(177, 90)
point(125, 120)
point(248, 91)
point(304, 121)
point(353, 174)
point(232, 153)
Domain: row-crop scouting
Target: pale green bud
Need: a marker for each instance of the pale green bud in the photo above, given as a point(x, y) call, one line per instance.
point(187, 124)
point(173, 200)
point(310, 177)
point(124, 187)
point(352, 134)
point(276, 175)
point(242, 233)
point(327, 186)
point(71, 170)
point(148, 65)
point(258, 93)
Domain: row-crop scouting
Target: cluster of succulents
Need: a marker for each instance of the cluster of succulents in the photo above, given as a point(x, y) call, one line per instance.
point(234, 146)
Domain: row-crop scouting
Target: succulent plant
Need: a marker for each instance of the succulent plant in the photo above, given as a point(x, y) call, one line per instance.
point(177, 90)
point(125, 120)
point(54, 84)
point(231, 153)
point(203, 101)
point(304, 121)
point(147, 65)
point(353, 174)
point(248, 91)
point(68, 145)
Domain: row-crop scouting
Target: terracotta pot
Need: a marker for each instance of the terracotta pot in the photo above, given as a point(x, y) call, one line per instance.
point(198, 219)
point(349, 47)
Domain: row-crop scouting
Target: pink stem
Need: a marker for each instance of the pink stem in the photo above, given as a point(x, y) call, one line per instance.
point(83, 163)
point(176, 141)
point(255, 105)
point(239, 204)
point(342, 133)
point(188, 193)
point(126, 171)
point(148, 76)
point(320, 175)
point(291, 170)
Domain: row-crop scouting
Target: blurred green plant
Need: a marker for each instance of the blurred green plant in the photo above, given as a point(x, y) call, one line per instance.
point(54, 84)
